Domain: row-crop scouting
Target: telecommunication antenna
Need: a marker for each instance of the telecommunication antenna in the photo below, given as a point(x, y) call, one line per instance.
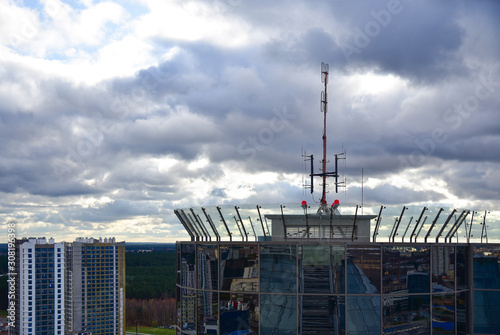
point(324, 173)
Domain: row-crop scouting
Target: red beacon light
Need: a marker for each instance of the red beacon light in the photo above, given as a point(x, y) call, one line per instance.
point(304, 204)
point(335, 204)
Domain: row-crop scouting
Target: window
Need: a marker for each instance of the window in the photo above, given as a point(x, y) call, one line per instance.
point(278, 268)
point(363, 269)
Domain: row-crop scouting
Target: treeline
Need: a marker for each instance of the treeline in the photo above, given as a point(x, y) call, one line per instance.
point(150, 275)
point(150, 288)
point(151, 312)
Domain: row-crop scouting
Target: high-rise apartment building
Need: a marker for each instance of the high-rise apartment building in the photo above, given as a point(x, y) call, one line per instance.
point(39, 287)
point(70, 288)
point(96, 286)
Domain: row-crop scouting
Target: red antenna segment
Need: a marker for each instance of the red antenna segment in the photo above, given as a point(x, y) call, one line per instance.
point(324, 108)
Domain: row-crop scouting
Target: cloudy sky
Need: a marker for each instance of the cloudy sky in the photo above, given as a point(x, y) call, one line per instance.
point(112, 114)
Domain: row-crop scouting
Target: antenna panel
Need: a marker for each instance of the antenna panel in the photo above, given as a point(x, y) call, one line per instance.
point(322, 104)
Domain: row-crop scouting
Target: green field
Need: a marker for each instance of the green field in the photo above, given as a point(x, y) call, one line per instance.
point(151, 330)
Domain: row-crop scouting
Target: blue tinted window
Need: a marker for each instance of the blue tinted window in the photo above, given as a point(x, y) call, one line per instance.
point(363, 269)
point(486, 268)
point(239, 313)
point(487, 312)
point(279, 314)
point(443, 314)
point(363, 315)
point(278, 268)
point(322, 314)
point(321, 268)
point(406, 269)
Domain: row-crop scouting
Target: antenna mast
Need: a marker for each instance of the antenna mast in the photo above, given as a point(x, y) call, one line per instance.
point(324, 173)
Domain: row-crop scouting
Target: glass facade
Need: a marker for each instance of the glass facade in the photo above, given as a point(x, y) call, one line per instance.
point(486, 292)
point(341, 288)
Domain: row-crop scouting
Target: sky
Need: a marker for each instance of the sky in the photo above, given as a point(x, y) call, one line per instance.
point(113, 114)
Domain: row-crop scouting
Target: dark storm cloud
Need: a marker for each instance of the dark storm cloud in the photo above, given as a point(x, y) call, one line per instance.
point(473, 180)
point(416, 40)
point(421, 44)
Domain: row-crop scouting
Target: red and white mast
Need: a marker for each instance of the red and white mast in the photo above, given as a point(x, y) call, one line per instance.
point(324, 173)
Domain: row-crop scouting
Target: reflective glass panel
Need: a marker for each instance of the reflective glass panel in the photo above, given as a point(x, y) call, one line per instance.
point(462, 313)
point(461, 267)
point(486, 267)
point(443, 314)
point(188, 266)
point(188, 316)
point(239, 268)
point(321, 314)
point(407, 315)
point(208, 311)
point(322, 268)
point(239, 313)
point(406, 269)
point(363, 269)
point(363, 315)
point(178, 304)
point(278, 268)
point(279, 314)
point(487, 312)
point(207, 267)
point(443, 268)
point(178, 266)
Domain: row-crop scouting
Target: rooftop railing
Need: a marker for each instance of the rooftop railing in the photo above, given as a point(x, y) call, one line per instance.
point(396, 224)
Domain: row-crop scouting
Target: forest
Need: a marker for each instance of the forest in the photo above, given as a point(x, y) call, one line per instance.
point(150, 275)
point(150, 288)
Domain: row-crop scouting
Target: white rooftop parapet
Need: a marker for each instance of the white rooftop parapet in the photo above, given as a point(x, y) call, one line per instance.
point(346, 227)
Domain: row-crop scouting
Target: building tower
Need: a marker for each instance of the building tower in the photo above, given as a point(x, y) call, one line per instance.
point(283, 270)
point(40, 287)
point(96, 286)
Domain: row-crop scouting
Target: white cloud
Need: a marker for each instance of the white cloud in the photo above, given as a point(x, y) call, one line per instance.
point(193, 21)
